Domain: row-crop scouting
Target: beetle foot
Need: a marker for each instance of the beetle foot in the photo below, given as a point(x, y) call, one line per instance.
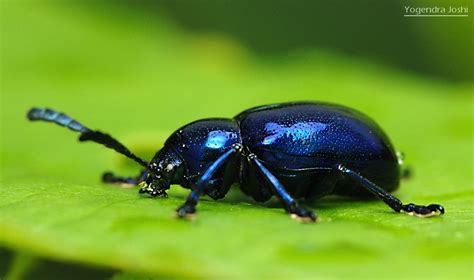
point(186, 211)
point(150, 190)
point(423, 211)
point(304, 215)
point(124, 182)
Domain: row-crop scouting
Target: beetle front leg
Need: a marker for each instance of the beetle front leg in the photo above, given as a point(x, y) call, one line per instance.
point(393, 202)
point(188, 209)
point(296, 211)
point(140, 180)
point(110, 178)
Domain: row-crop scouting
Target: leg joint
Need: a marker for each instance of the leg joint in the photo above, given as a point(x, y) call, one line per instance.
point(252, 156)
point(342, 168)
point(237, 147)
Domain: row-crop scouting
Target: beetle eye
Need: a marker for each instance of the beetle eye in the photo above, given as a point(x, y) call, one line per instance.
point(169, 168)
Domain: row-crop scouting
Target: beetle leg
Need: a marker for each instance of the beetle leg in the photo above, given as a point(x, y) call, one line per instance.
point(296, 211)
point(110, 178)
point(393, 202)
point(188, 209)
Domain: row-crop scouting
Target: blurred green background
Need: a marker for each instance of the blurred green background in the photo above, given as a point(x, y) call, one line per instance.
point(139, 70)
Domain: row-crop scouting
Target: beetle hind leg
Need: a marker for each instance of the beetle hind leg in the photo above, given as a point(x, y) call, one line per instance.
point(423, 211)
point(393, 202)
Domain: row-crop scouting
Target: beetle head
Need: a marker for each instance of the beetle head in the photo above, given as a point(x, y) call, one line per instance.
point(165, 168)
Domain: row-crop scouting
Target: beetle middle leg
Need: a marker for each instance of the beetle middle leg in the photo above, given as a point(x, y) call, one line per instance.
point(393, 202)
point(297, 211)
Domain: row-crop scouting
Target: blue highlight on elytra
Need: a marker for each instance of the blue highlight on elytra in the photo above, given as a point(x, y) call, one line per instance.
point(301, 131)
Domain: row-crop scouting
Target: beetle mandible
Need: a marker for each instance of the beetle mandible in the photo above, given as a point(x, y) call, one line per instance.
point(299, 150)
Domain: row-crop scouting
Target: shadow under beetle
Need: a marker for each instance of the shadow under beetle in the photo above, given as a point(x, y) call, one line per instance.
point(294, 151)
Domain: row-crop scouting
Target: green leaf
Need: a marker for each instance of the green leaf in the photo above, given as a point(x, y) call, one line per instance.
point(139, 78)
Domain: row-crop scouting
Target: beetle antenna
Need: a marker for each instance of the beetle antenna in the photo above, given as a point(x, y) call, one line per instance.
point(49, 115)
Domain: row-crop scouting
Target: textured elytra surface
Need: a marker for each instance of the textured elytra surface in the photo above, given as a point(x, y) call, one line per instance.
point(53, 206)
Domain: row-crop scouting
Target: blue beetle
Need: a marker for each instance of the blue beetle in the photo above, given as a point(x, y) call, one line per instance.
point(300, 150)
